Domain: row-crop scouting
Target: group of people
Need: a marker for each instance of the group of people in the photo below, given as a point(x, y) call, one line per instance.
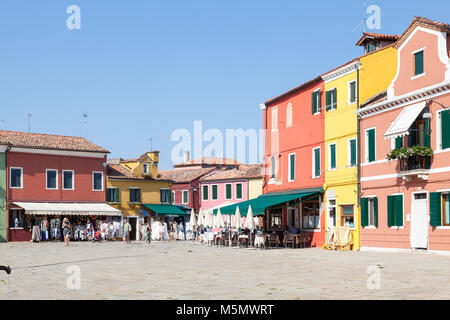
point(101, 231)
point(160, 230)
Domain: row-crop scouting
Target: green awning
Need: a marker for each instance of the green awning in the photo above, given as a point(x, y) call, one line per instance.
point(166, 210)
point(260, 204)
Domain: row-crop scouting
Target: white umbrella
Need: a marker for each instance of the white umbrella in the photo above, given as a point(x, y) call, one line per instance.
point(200, 218)
point(210, 219)
point(193, 221)
point(250, 222)
point(219, 219)
point(237, 219)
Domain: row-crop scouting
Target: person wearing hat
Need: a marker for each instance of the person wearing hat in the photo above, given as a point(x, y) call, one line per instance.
point(66, 231)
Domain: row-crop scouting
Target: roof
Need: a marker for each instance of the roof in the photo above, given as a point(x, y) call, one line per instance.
point(244, 171)
point(48, 141)
point(208, 161)
point(185, 175)
point(376, 36)
point(140, 158)
point(118, 172)
point(292, 91)
point(425, 22)
point(380, 96)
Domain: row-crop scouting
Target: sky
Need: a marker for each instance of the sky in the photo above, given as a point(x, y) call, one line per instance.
point(141, 69)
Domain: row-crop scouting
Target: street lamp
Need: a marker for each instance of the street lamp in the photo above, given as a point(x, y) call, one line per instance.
point(427, 114)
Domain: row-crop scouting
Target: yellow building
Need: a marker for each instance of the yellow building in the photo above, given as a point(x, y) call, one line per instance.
point(132, 184)
point(375, 71)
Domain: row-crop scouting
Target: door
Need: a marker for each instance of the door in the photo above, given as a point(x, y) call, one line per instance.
point(419, 221)
point(133, 223)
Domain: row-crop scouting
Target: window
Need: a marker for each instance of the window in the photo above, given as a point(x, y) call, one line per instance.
point(347, 216)
point(112, 194)
point(395, 210)
point(439, 209)
point(173, 197)
point(418, 63)
point(214, 195)
point(238, 190)
point(275, 118)
point(316, 102)
point(352, 152)
point(316, 162)
point(165, 195)
point(332, 156)
point(272, 166)
point(51, 179)
point(16, 218)
point(16, 177)
point(275, 216)
point(145, 168)
point(185, 196)
point(369, 212)
point(311, 214)
point(331, 99)
point(135, 195)
point(292, 167)
point(371, 47)
point(370, 145)
point(205, 193)
point(97, 181)
point(289, 115)
point(228, 191)
point(445, 129)
point(68, 177)
point(331, 213)
point(352, 92)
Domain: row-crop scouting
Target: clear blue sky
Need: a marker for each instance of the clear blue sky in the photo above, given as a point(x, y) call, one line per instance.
point(143, 68)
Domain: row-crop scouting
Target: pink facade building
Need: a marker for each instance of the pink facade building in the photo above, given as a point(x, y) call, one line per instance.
point(405, 196)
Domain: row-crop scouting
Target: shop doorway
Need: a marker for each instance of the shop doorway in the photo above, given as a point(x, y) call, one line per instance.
point(419, 221)
point(133, 222)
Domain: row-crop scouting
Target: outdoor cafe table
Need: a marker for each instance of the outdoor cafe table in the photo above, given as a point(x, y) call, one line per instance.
point(260, 240)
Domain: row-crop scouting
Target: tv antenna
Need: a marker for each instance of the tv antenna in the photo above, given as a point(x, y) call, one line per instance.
point(29, 122)
point(85, 120)
point(364, 20)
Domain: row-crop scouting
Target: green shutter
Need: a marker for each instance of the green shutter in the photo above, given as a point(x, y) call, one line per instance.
point(399, 211)
point(116, 195)
point(205, 192)
point(426, 134)
point(138, 195)
point(391, 210)
point(352, 92)
point(214, 192)
point(398, 142)
point(292, 167)
point(334, 99)
point(185, 196)
point(445, 129)
point(238, 190)
point(317, 162)
point(371, 141)
point(352, 153)
point(375, 212)
point(364, 212)
point(333, 156)
point(228, 191)
point(327, 100)
point(435, 209)
point(319, 101)
point(314, 107)
point(418, 59)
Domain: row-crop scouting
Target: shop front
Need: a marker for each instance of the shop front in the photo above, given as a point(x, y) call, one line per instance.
point(29, 221)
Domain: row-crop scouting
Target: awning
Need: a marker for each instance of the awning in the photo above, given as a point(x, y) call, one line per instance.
point(405, 119)
point(260, 204)
point(68, 209)
point(166, 210)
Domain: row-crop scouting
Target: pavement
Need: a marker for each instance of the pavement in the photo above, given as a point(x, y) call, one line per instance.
point(184, 270)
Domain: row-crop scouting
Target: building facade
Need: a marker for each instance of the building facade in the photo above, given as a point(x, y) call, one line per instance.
point(3, 210)
point(405, 176)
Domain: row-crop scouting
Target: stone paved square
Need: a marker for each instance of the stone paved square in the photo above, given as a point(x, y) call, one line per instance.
point(184, 270)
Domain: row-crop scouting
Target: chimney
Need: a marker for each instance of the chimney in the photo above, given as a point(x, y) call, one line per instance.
point(186, 156)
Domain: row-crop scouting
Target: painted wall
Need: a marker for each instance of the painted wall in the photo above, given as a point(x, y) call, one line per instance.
point(383, 178)
point(193, 194)
point(150, 193)
point(254, 188)
point(206, 204)
point(306, 133)
point(3, 211)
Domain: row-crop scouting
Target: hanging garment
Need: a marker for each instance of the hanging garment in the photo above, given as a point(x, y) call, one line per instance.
point(35, 235)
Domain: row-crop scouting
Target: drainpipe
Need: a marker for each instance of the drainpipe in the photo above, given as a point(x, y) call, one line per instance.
point(358, 65)
point(7, 190)
point(264, 107)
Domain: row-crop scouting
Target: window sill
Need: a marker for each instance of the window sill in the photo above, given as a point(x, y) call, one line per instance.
point(113, 202)
point(418, 76)
point(370, 227)
point(16, 228)
point(397, 228)
point(134, 203)
point(443, 228)
point(52, 189)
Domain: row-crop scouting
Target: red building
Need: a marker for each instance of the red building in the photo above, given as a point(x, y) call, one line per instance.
point(294, 123)
point(50, 177)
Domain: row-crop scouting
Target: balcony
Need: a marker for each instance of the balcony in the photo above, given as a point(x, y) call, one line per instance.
point(415, 165)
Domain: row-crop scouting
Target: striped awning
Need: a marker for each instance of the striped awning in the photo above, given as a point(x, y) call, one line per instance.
point(68, 209)
point(400, 127)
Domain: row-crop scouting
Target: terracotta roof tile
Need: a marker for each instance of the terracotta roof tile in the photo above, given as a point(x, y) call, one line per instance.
point(378, 36)
point(185, 175)
point(245, 171)
point(118, 172)
point(48, 141)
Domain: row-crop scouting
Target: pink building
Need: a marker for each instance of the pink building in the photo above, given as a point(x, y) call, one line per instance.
point(225, 187)
point(405, 196)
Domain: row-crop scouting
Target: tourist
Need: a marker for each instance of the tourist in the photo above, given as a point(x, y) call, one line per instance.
point(126, 231)
point(112, 231)
point(66, 231)
point(89, 230)
point(148, 233)
point(166, 233)
point(175, 231)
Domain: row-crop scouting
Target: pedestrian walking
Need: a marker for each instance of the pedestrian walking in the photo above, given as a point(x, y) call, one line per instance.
point(66, 231)
point(126, 231)
point(148, 233)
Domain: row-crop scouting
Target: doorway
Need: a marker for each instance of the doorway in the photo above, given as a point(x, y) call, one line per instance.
point(419, 221)
point(133, 222)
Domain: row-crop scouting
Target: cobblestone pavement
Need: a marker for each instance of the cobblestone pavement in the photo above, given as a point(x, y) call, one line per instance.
point(184, 270)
